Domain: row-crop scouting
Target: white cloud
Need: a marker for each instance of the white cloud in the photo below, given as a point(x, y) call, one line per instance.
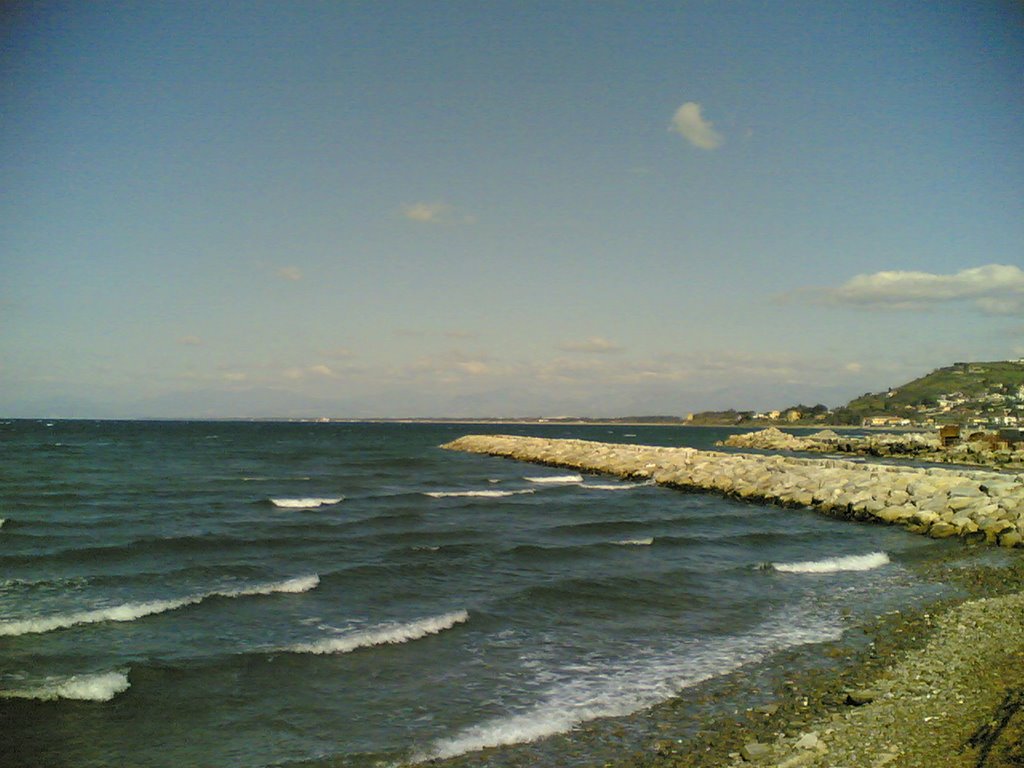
point(474, 367)
point(690, 123)
point(595, 345)
point(995, 289)
point(428, 213)
point(290, 273)
point(298, 374)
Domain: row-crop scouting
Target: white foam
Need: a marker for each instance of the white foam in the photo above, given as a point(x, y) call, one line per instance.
point(556, 479)
point(589, 691)
point(306, 503)
point(292, 586)
point(133, 611)
point(836, 564)
point(2, 521)
point(480, 494)
point(636, 542)
point(386, 634)
point(613, 486)
point(99, 687)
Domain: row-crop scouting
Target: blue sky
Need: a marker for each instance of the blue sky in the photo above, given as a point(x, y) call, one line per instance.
point(509, 208)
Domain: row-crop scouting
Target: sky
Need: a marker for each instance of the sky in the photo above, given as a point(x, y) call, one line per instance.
point(445, 209)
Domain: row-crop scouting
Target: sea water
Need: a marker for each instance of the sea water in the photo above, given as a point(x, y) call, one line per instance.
point(269, 593)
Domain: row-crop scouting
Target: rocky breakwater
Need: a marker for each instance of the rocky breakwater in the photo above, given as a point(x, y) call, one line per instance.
point(922, 446)
point(940, 502)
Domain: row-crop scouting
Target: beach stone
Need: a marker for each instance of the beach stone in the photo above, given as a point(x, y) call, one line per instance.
point(862, 696)
point(808, 741)
point(799, 759)
point(756, 752)
point(1011, 539)
point(942, 530)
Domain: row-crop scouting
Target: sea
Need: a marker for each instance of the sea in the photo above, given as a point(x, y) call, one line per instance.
point(253, 594)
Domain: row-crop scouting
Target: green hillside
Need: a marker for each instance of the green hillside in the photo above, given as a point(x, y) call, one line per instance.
point(956, 389)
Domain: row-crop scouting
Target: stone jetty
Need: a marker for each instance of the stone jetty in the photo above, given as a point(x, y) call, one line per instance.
point(983, 450)
point(941, 502)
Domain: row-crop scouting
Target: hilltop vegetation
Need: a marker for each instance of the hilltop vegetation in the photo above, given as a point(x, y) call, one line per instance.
point(989, 394)
point(961, 391)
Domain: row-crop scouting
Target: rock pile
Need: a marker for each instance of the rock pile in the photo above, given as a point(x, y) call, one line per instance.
point(913, 445)
point(974, 504)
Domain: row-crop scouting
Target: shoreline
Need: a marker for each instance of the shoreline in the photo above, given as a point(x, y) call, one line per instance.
point(945, 684)
point(947, 676)
point(939, 687)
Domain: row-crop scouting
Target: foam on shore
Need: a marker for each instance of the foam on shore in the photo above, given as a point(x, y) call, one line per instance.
point(836, 564)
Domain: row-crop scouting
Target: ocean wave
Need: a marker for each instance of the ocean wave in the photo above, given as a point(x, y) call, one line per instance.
point(556, 479)
point(836, 564)
point(588, 692)
point(480, 494)
point(307, 502)
point(133, 611)
point(636, 542)
point(386, 634)
point(98, 687)
point(614, 486)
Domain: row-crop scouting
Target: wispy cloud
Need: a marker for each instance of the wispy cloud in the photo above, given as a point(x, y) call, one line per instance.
point(437, 212)
point(298, 374)
point(290, 273)
point(689, 122)
point(428, 213)
point(995, 289)
point(594, 345)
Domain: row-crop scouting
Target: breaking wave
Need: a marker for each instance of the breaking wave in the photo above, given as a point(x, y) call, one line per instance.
point(588, 692)
point(386, 634)
point(99, 687)
point(614, 486)
point(133, 611)
point(480, 494)
point(636, 542)
point(836, 564)
point(306, 503)
point(556, 479)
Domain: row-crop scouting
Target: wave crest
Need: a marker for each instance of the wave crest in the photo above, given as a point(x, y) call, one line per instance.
point(556, 479)
point(387, 634)
point(836, 564)
point(614, 486)
point(480, 494)
point(98, 687)
point(310, 502)
point(133, 611)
